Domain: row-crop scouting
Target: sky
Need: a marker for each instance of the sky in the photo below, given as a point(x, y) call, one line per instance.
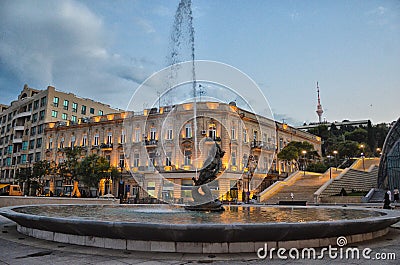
point(105, 49)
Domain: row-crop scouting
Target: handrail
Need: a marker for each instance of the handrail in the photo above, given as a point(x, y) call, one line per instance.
point(278, 185)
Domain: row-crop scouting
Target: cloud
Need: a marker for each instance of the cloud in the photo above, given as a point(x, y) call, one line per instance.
point(383, 16)
point(287, 119)
point(65, 44)
point(145, 25)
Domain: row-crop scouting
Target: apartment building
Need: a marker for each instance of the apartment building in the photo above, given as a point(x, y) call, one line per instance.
point(22, 124)
point(155, 149)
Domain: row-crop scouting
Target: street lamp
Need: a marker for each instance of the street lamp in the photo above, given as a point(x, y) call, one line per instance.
point(378, 151)
point(330, 166)
point(335, 153)
point(304, 152)
point(363, 156)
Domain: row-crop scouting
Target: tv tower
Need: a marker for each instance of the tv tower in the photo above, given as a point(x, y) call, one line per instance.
point(319, 106)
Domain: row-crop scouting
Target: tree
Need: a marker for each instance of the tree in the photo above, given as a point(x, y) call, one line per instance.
point(359, 135)
point(40, 170)
point(92, 169)
point(25, 175)
point(68, 170)
point(292, 152)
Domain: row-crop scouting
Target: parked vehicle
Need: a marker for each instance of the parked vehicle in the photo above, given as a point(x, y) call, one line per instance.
point(10, 190)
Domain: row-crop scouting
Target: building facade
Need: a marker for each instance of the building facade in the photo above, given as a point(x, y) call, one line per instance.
point(22, 124)
point(155, 149)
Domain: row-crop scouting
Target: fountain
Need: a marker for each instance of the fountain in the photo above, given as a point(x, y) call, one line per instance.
point(167, 228)
point(205, 226)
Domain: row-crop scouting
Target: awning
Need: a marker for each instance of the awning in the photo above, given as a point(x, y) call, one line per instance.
point(3, 185)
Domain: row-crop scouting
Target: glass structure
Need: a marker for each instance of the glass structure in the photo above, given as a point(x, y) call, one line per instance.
point(389, 168)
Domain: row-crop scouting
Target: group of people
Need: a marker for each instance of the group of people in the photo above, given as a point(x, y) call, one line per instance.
point(388, 198)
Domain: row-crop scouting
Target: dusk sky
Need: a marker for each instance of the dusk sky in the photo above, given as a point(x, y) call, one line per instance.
point(104, 49)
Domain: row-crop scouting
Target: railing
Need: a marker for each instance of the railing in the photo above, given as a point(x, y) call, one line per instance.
point(262, 145)
point(106, 146)
point(150, 142)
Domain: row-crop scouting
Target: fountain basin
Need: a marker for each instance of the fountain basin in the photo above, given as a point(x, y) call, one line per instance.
point(172, 229)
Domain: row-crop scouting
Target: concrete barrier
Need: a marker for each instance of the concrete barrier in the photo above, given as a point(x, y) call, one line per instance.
point(20, 200)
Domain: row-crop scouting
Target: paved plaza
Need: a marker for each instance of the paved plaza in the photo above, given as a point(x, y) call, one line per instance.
point(16, 248)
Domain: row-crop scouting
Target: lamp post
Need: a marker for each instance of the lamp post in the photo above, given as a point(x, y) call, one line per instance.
point(330, 166)
point(304, 152)
point(335, 153)
point(363, 155)
point(378, 151)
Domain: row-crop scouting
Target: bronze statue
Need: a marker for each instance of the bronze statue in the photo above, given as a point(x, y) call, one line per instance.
point(204, 201)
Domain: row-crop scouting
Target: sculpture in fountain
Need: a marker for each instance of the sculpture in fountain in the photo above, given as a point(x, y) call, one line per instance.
point(204, 200)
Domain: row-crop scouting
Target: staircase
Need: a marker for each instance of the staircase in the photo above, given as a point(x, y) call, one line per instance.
point(368, 162)
point(302, 187)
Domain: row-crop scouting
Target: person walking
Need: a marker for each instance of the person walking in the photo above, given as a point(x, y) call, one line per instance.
point(396, 194)
point(386, 201)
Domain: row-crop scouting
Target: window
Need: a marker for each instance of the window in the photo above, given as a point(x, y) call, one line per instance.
point(212, 131)
point(54, 113)
point(34, 117)
point(41, 115)
point(123, 137)
point(169, 134)
point(84, 140)
point(64, 116)
point(83, 110)
point(245, 135)
point(265, 160)
point(43, 101)
point(40, 129)
point(91, 110)
point(37, 157)
point(23, 159)
point(72, 140)
point(96, 140)
point(10, 149)
point(29, 108)
point(255, 136)
point(33, 131)
point(188, 131)
point(55, 101)
point(65, 105)
point(32, 144)
point(121, 161)
point(100, 112)
point(30, 158)
point(168, 159)
point(50, 146)
point(188, 157)
point(38, 142)
point(153, 133)
point(73, 118)
point(233, 132)
point(109, 138)
point(233, 158)
point(35, 104)
point(24, 145)
point(137, 135)
point(136, 160)
point(74, 107)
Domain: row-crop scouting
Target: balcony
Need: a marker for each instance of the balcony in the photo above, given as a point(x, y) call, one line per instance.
point(106, 147)
point(150, 143)
point(22, 114)
point(19, 128)
point(17, 140)
point(262, 145)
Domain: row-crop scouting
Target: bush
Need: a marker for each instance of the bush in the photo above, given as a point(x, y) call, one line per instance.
point(317, 167)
